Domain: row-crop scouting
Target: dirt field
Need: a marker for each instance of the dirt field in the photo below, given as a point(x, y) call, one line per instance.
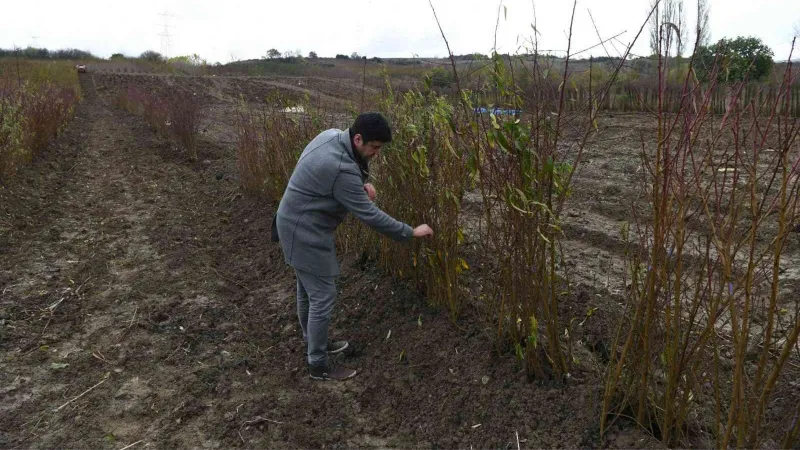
point(141, 301)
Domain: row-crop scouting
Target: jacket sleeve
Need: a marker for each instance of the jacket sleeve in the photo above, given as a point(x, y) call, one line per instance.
point(348, 190)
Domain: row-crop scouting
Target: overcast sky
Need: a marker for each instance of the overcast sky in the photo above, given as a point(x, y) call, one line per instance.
point(222, 30)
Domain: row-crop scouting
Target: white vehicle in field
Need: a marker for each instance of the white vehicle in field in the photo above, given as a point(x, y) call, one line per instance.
point(81, 68)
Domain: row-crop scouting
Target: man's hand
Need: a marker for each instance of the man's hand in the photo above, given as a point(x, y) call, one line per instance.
point(371, 193)
point(423, 231)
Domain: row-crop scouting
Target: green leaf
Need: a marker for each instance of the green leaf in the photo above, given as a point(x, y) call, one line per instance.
point(549, 166)
point(452, 124)
point(522, 196)
point(533, 338)
point(519, 352)
point(503, 141)
point(494, 121)
point(57, 366)
point(544, 238)
point(523, 211)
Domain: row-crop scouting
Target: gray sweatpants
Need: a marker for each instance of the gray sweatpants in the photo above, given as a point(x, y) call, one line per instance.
point(316, 297)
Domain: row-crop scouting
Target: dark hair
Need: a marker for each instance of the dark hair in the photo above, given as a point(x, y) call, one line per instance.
point(372, 126)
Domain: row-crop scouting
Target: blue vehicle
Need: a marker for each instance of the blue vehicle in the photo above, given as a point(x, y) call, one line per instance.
point(499, 111)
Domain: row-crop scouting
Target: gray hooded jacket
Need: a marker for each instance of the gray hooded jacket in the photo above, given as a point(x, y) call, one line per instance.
point(326, 184)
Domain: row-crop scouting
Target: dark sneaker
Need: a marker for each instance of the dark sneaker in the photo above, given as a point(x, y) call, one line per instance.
point(332, 372)
point(335, 347)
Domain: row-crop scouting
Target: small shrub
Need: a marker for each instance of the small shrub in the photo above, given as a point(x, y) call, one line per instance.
point(176, 114)
point(185, 114)
point(440, 78)
point(703, 279)
point(269, 143)
point(36, 101)
point(422, 178)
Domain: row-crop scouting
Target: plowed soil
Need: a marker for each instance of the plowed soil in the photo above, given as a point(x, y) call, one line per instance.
point(142, 302)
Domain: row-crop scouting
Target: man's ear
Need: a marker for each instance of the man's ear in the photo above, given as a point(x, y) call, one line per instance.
point(358, 140)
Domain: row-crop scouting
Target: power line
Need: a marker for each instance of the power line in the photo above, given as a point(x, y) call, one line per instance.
point(166, 37)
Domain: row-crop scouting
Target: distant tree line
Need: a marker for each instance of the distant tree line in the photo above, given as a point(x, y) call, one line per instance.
point(43, 53)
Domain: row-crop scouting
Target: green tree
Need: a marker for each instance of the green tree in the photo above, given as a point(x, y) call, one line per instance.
point(192, 60)
point(312, 55)
point(273, 53)
point(738, 59)
point(152, 56)
point(440, 77)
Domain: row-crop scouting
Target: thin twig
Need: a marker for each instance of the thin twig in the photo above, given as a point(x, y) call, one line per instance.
point(419, 365)
point(55, 304)
point(363, 83)
point(131, 445)
point(176, 349)
point(82, 284)
point(97, 354)
point(134, 316)
point(136, 308)
point(105, 378)
point(258, 419)
point(45, 325)
point(602, 42)
point(41, 333)
point(230, 280)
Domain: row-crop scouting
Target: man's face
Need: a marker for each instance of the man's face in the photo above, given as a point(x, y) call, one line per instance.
point(367, 150)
